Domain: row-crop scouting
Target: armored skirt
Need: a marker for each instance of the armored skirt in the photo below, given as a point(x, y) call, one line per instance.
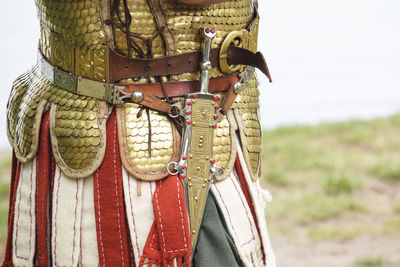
point(110, 218)
point(92, 182)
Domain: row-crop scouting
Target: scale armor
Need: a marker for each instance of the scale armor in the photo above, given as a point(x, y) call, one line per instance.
point(73, 40)
point(106, 163)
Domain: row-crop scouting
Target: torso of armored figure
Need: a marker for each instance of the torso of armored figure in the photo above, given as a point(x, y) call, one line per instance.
point(139, 120)
point(74, 38)
point(74, 34)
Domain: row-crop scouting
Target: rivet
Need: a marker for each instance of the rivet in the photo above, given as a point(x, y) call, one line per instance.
point(137, 97)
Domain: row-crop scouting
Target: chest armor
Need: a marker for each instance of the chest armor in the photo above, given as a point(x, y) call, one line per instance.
point(73, 38)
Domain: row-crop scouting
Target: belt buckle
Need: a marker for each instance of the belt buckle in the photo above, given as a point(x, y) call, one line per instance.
point(235, 38)
point(118, 94)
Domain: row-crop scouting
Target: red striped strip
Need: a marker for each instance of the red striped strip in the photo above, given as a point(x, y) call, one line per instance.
point(246, 193)
point(15, 171)
point(42, 187)
point(169, 237)
point(111, 228)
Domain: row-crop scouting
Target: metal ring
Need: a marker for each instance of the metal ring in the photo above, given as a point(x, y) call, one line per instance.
point(168, 167)
point(218, 174)
point(178, 113)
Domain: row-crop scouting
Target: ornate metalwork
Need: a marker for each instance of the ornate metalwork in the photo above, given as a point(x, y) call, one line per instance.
point(92, 63)
point(65, 80)
point(236, 38)
point(196, 163)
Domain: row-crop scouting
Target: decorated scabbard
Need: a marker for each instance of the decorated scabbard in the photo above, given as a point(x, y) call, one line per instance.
point(197, 166)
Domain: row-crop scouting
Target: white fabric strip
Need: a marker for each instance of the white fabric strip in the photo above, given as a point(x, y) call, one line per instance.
point(66, 219)
point(259, 197)
point(24, 228)
point(89, 255)
point(139, 211)
point(239, 220)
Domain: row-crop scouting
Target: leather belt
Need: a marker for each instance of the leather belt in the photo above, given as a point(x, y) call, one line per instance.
point(177, 89)
point(123, 68)
point(120, 93)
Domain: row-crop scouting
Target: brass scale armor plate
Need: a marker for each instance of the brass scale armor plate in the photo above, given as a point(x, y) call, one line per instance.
point(72, 39)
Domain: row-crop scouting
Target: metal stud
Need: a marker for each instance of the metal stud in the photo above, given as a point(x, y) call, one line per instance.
point(137, 97)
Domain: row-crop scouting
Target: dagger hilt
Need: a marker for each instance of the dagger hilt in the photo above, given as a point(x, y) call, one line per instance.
point(208, 34)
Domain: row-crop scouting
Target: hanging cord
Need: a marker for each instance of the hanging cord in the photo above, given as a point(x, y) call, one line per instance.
point(124, 26)
point(150, 132)
point(176, 121)
point(160, 80)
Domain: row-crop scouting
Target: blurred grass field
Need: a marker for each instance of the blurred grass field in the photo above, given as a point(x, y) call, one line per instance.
point(336, 193)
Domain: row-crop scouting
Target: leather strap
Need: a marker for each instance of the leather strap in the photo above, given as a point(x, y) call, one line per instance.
point(105, 16)
point(152, 93)
point(228, 100)
point(123, 68)
point(234, 89)
point(162, 26)
point(240, 56)
point(178, 89)
point(155, 103)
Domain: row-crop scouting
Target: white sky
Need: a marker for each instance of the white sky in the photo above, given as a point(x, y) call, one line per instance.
point(330, 59)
